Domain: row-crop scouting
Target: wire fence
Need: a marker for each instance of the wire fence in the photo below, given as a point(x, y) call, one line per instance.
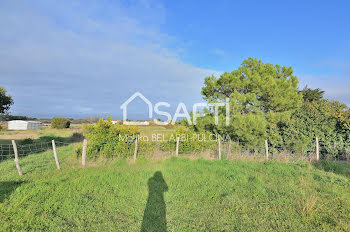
point(34, 157)
point(218, 149)
point(228, 148)
point(7, 150)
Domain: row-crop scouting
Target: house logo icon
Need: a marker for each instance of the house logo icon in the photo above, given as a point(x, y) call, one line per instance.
point(124, 107)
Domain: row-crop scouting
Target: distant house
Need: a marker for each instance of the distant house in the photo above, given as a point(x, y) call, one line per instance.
point(23, 125)
point(113, 121)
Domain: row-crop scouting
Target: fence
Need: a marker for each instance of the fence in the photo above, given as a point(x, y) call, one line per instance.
point(19, 151)
point(218, 149)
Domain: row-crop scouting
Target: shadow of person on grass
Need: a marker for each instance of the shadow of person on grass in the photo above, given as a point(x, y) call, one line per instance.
point(154, 217)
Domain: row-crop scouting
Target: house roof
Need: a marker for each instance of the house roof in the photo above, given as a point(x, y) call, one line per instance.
point(22, 121)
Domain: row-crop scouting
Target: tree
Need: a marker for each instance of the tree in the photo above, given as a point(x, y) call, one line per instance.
point(261, 95)
point(5, 101)
point(311, 95)
point(265, 103)
point(327, 120)
point(60, 123)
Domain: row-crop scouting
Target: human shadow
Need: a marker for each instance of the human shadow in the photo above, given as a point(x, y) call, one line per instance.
point(7, 187)
point(154, 217)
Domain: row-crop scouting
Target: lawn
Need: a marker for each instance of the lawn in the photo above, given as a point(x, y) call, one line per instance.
point(174, 195)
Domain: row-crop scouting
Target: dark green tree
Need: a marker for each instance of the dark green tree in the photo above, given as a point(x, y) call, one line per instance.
point(311, 95)
point(5, 101)
point(60, 123)
point(261, 95)
point(327, 120)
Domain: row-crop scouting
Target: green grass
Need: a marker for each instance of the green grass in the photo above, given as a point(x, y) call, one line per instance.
point(7, 135)
point(335, 167)
point(176, 194)
point(152, 130)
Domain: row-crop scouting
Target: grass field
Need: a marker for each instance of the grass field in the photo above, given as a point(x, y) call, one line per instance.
point(174, 195)
point(156, 129)
point(6, 136)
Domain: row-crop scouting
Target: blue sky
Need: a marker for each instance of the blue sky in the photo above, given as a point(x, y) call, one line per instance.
point(85, 58)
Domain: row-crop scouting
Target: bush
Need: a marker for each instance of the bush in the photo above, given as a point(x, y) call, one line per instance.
point(190, 141)
point(76, 137)
point(146, 147)
point(60, 123)
point(324, 119)
point(50, 136)
point(0, 128)
point(26, 141)
point(110, 140)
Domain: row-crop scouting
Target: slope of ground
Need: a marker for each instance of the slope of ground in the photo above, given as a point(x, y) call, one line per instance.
point(174, 195)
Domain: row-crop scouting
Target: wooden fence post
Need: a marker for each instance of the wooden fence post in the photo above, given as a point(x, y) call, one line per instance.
point(177, 146)
point(135, 151)
point(267, 149)
point(83, 156)
point(229, 147)
point(16, 157)
point(55, 154)
point(219, 147)
point(317, 150)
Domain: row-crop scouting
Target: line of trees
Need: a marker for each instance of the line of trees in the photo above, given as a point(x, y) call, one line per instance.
point(265, 103)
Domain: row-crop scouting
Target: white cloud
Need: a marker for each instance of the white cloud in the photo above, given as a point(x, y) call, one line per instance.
point(77, 58)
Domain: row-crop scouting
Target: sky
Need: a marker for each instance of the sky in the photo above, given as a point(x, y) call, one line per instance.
point(83, 58)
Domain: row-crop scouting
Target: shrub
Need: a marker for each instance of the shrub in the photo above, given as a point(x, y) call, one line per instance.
point(50, 136)
point(109, 140)
point(76, 137)
point(26, 141)
point(0, 128)
point(190, 141)
point(146, 147)
point(60, 123)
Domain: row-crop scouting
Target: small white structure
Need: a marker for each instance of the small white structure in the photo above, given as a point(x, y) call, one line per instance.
point(112, 121)
point(23, 125)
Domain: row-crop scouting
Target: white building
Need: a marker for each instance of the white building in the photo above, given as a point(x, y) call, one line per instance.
point(23, 125)
point(113, 121)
